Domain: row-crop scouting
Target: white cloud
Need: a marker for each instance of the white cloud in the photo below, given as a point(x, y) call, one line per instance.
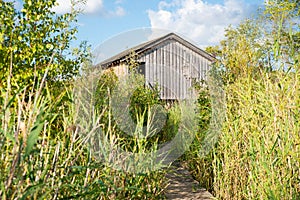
point(91, 6)
point(204, 23)
point(118, 12)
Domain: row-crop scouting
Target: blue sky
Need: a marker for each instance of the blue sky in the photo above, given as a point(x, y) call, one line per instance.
point(200, 21)
point(115, 25)
point(203, 21)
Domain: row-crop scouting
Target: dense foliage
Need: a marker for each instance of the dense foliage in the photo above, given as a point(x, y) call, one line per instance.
point(257, 154)
point(35, 40)
point(47, 147)
point(44, 152)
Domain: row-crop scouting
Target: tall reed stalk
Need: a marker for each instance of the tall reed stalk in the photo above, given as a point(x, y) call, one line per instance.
point(258, 152)
point(45, 155)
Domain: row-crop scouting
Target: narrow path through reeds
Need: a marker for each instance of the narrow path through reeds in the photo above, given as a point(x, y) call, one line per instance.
point(182, 185)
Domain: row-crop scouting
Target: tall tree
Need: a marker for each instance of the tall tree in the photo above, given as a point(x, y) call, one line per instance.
point(35, 40)
point(268, 42)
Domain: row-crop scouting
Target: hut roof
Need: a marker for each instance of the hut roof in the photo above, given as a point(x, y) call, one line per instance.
point(152, 44)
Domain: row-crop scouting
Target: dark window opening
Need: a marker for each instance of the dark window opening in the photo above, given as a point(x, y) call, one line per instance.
point(141, 69)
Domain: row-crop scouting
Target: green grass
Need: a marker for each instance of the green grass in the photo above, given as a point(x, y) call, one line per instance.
point(258, 153)
point(49, 148)
point(45, 154)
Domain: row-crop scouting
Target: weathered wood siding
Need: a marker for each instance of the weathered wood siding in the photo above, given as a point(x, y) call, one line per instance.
point(120, 70)
point(173, 67)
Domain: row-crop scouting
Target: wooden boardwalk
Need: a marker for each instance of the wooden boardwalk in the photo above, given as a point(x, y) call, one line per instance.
point(183, 186)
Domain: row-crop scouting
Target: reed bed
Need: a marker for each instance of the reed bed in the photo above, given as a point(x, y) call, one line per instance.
point(258, 154)
point(45, 154)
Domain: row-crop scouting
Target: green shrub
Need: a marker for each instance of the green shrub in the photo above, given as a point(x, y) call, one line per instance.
point(201, 166)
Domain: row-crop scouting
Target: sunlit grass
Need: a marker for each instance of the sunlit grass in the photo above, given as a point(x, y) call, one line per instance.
point(45, 154)
point(258, 151)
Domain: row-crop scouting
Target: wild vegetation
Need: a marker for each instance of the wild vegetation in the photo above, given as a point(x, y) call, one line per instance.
point(257, 154)
point(46, 154)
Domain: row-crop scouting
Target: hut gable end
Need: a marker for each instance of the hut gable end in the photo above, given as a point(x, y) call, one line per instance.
point(169, 61)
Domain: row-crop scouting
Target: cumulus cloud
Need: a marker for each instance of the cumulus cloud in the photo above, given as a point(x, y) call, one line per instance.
point(90, 7)
point(203, 22)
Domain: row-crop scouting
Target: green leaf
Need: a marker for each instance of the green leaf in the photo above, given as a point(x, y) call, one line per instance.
point(33, 137)
point(9, 136)
point(32, 190)
point(1, 37)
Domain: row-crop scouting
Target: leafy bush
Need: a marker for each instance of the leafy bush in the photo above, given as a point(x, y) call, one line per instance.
point(201, 167)
point(35, 40)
